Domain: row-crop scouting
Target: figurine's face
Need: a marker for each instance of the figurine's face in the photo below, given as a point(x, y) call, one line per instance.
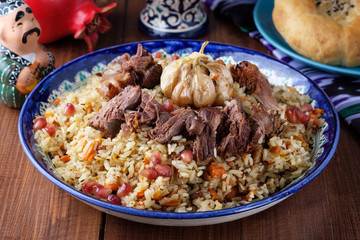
point(19, 30)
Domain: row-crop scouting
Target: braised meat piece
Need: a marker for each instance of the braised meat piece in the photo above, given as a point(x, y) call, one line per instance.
point(112, 115)
point(237, 130)
point(263, 125)
point(182, 120)
point(205, 142)
point(148, 110)
point(203, 126)
point(228, 131)
point(249, 75)
point(163, 117)
point(114, 78)
point(137, 70)
point(152, 76)
point(143, 69)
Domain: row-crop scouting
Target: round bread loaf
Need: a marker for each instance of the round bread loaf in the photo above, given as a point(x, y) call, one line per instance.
point(326, 31)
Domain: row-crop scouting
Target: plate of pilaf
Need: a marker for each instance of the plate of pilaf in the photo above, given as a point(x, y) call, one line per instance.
point(178, 132)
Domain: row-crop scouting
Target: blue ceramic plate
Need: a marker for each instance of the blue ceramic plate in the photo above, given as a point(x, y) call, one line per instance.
point(74, 73)
point(264, 23)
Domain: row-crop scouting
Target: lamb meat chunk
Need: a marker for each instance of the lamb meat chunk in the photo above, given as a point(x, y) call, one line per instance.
point(263, 125)
point(249, 75)
point(149, 110)
point(205, 142)
point(203, 148)
point(257, 137)
point(112, 115)
point(114, 79)
point(163, 117)
point(235, 142)
point(111, 128)
point(194, 126)
point(137, 70)
point(212, 116)
point(183, 119)
point(151, 77)
point(146, 72)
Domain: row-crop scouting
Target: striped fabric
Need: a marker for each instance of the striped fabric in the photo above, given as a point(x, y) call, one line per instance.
point(343, 91)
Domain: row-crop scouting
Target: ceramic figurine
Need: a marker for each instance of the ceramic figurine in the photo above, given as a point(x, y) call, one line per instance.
point(23, 61)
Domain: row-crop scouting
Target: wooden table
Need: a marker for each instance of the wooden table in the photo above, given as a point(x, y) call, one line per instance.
point(31, 207)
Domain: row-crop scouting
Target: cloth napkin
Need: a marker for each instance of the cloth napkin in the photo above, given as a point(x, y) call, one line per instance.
point(343, 91)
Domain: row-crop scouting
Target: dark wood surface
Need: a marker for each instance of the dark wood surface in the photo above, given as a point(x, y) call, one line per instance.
point(31, 207)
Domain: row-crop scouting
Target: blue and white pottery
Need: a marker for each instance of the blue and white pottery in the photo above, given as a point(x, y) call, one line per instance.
point(73, 74)
point(173, 19)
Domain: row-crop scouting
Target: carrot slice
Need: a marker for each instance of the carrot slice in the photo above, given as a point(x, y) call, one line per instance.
point(314, 118)
point(65, 158)
point(49, 114)
point(172, 203)
point(276, 150)
point(216, 171)
point(215, 196)
point(98, 139)
point(248, 195)
point(140, 194)
point(318, 111)
point(291, 89)
point(90, 152)
point(157, 194)
point(287, 144)
point(112, 186)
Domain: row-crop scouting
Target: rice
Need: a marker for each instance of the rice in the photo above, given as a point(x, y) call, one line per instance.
point(191, 188)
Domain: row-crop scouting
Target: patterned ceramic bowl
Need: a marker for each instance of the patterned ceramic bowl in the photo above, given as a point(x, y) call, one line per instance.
point(73, 74)
point(173, 19)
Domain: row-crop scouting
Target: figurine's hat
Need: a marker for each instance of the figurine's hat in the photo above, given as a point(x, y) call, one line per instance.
point(8, 6)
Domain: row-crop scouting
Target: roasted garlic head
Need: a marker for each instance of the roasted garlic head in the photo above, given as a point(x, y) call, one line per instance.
point(196, 80)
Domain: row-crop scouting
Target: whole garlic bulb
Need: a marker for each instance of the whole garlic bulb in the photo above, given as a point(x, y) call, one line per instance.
point(196, 80)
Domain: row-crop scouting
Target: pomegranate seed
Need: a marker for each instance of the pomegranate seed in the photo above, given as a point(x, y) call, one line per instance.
point(101, 192)
point(163, 170)
point(50, 129)
point(39, 124)
point(156, 158)
point(302, 117)
point(150, 173)
point(158, 55)
point(124, 190)
point(168, 105)
point(187, 156)
point(112, 198)
point(306, 108)
point(69, 110)
point(175, 57)
point(291, 115)
point(87, 188)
